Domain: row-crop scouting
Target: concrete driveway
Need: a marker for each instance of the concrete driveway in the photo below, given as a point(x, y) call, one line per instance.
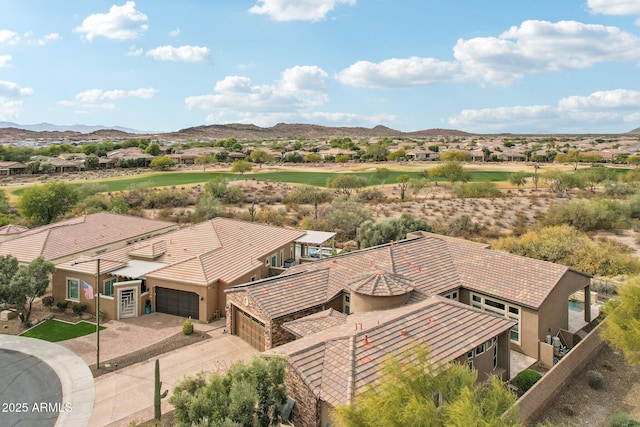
point(127, 394)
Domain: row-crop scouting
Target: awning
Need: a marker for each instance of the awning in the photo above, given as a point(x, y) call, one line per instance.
point(136, 268)
point(315, 237)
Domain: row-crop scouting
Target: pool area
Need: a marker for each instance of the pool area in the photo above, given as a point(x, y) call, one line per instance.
point(575, 305)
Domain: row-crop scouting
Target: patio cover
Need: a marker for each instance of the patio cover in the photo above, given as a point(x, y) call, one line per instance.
point(315, 237)
point(136, 268)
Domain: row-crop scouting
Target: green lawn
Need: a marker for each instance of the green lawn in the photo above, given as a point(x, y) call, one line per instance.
point(55, 330)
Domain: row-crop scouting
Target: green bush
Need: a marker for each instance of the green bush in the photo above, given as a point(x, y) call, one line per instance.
point(622, 419)
point(62, 305)
point(594, 379)
point(187, 327)
point(527, 378)
point(476, 189)
point(79, 308)
point(48, 301)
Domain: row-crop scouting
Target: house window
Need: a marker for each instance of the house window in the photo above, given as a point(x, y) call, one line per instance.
point(495, 356)
point(290, 251)
point(108, 286)
point(347, 304)
point(73, 289)
point(266, 261)
point(274, 260)
point(499, 308)
point(281, 257)
point(253, 279)
point(480, 349)
point(452, 295)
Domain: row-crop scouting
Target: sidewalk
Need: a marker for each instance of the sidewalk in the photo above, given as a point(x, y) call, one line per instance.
point(127, 394)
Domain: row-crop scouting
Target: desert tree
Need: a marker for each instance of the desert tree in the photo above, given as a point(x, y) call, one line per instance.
point(43, 204)
point(241, 166)
point(403, 183)
point(162, 163)
point(260, 156)
point(621, 328)
point(377, 233)
point(455, 156)
point(518, 178)
point(381, 174)
point(452, 171)
point(346, 183)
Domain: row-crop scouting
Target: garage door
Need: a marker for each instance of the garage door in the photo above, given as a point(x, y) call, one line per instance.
point(249, 329)
point(178, 303)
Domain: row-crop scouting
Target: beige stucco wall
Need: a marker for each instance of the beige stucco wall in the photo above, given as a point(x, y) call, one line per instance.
point(361, 303)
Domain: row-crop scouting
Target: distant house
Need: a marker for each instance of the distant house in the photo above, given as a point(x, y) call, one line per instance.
point(183, 273)
point(85, 235)
point(12, 168)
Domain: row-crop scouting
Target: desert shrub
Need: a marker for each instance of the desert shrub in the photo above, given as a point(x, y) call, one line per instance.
point(589, 215)
point(461, 226)
point(476, 189)
point(166, 199)
point(594, 379)
point(187, 327)
point(568, 409)
point(48, 301)
point(622, 419)
point(62, 305)
point(527, 378)
point(79, 308)
point(304, 194)
point(371, 195)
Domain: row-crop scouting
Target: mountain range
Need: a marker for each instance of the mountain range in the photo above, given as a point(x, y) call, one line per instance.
point(45, 131)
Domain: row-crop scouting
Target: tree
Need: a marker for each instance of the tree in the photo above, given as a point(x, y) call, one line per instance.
point(397, 155)
point(621, 328)
point(241, 166)
point(153, 149)
point(346, 183)
point(249, 394)
point(376, 152)
point(220, 188)
point(381, 174)
point(518, 178)
point(455, 156)
point(378, 233)
point(421, 393)
point(562, 182)
point(452, 171)
point(208, 207)
point(91, 162)
point(594, 176)
point(344, 216)
point(260, 156)
point(43, 204)
point(162, 163)
point(205, 159)
point(29, 282)
point(571, 156)
point(403, 183)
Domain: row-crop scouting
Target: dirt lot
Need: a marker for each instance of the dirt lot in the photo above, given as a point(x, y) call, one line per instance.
point(580, 405)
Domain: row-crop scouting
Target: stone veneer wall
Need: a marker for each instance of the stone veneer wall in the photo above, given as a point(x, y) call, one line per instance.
point(278, 335)
point(306, 411)
point(538, 397)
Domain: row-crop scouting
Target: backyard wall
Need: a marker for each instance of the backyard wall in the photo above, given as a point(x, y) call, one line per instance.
point(534, 401)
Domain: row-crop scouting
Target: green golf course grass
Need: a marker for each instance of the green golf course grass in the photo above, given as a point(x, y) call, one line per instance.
point(55, 330)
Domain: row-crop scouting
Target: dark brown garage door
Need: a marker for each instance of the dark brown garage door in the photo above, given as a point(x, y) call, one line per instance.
point(178, 303)
point(249, 329)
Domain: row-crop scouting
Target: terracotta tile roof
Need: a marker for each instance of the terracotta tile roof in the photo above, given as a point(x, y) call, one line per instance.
point(220, 249)
point(76, 235)
point(317, 322)
point(339, 362)
point(11, 229)
point(380, 283)
point(434, 265)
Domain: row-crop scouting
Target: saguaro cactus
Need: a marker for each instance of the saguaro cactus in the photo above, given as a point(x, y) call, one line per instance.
point(158, 396)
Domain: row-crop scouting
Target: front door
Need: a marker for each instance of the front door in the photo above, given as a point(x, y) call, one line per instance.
point(127, 303)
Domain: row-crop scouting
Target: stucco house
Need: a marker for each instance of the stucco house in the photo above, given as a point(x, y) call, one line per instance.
point(183, 273)
point(336, 357)
point(84, 235)
point(533, 294)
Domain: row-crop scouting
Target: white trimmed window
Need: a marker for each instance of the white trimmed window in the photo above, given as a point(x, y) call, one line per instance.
point(281, 258)
point(73, 289)
point(495, 356)
point(452, 295)
point(499, 308)
point(107, 288)
point(274, 260)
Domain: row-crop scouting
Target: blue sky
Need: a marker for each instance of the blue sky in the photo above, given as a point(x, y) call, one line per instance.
point(525, 66)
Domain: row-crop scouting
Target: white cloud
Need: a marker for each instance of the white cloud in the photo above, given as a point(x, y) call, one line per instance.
point(300, 89)
point(180, 54)
point(4, 60)
point(98, 98)
point(12, 90)
point(297, 10)
point(533, 47)
point(133, 51)
point(48, 38)
point(9, 37)
point(175, 33)
point(413, 71)
point(121, 23)
point(11, 99)
point(614, 7)
point(571, 114)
